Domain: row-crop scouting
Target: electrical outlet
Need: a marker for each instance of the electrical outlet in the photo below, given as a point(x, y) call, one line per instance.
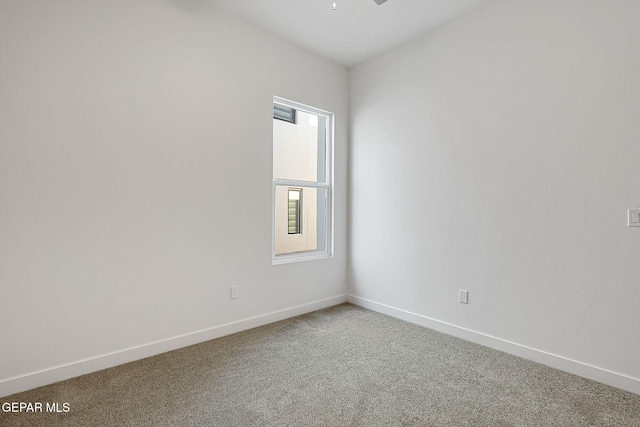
point(463, 296)
point(234, 292)
point(633, 219)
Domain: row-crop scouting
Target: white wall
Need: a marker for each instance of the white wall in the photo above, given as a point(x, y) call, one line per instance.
point(499, 154)
point(125, 161)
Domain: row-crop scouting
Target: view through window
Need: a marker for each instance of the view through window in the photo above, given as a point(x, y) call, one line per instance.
point(301, 182)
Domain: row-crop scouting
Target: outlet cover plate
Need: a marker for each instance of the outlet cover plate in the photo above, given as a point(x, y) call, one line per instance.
point(463, 296)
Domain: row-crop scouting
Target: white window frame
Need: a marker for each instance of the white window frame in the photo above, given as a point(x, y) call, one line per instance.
point(327, 185)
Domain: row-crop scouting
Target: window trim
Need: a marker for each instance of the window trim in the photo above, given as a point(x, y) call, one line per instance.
point(326, 185)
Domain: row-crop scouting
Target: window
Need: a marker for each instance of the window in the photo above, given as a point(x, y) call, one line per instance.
point(295, 199)
point(302, 171)
point(282, 112)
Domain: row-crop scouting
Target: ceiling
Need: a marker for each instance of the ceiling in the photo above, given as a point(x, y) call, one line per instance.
point(356, 31)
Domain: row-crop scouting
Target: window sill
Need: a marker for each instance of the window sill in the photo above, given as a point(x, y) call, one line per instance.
point(290, 258)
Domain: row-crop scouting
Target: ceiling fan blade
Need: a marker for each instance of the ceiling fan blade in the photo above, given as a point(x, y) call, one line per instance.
point(379, 2)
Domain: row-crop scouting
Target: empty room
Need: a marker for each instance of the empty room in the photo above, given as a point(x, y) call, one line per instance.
point(320, 213)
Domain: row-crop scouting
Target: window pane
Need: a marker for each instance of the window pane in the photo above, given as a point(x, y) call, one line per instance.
point(311, 220)
point(299, 149)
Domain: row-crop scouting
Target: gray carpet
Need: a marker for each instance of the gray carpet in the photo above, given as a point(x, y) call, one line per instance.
point(343, 366)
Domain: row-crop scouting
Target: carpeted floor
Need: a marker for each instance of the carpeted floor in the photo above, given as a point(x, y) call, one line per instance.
point(342, 366)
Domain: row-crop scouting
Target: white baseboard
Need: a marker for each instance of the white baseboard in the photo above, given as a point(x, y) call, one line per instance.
point(584, 370)
point(86, 366)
